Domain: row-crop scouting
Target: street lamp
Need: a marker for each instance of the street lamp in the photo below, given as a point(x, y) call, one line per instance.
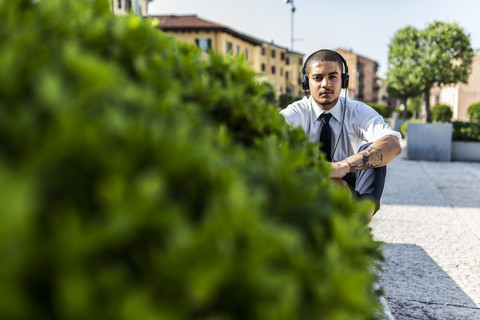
point(292, 39)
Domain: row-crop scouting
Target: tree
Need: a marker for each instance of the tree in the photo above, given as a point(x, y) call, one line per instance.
point(441, 54)
point(447, 57)
point(404, 66)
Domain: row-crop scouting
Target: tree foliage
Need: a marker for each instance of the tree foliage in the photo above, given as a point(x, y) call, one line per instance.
point(440, 54)
point(404, 65)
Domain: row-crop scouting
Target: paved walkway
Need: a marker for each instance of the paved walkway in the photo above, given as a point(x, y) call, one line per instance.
point(430, 223)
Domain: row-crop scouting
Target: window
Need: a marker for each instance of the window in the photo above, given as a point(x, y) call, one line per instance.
point(128, 5)
point(273, 69)
point(282, 56)
point(204, 44)
point(119, 4)
point(286, 75)
point(229, 47)
point(300, 62)
point(263, 51)
point(288, 61)
point(238, 49)
point(246, 54)
point(273, 53)
point(263, 67)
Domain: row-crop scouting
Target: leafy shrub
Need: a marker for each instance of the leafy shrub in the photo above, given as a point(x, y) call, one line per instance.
point(140, 181)
point(268, 92)
point(441, 113)
point(466, 131)
point(382, 109)
point(474, 112)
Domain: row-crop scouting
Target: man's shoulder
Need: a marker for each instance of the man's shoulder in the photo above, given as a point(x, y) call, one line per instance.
point(297, 112)
point(299, 107)
point(361, 109)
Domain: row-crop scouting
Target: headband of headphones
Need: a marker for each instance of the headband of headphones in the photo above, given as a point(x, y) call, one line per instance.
point(345, 76)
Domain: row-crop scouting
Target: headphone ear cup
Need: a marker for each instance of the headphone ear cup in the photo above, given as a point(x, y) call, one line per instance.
point(345, 79)
point(305, 84)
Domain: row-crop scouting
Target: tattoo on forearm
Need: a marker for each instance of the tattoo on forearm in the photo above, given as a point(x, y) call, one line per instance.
point(371, 158)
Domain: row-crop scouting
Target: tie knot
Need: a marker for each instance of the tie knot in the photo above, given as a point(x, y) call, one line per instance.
point(325, 117)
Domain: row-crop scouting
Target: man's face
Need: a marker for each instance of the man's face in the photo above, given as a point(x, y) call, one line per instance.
point(325, 83)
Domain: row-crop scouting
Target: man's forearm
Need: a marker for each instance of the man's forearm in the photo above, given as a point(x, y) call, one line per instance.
point(378, 154)
point(367, 159)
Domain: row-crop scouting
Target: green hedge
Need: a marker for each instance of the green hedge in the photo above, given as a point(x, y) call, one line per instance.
point(466, 131)
point(382, 109)
point(441, 113)
point(140, 181)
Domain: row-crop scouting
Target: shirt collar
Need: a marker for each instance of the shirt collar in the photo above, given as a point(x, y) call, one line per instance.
point(336, 111)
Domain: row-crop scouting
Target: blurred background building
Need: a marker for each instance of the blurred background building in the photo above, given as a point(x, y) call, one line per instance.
point(364, 84)
point(121, 7)
point(270, 61)
point(275, 63)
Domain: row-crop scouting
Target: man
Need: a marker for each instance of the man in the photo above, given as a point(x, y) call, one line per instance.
point(355, 138)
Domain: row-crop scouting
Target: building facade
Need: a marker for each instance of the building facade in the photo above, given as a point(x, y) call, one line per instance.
point(122, 7)
point(364, 84)
point(460, 96)
point(271, 62)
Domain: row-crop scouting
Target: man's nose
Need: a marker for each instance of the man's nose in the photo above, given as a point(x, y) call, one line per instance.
point(325, 82)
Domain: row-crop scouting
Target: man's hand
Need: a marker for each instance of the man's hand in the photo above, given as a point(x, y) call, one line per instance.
point(339, 169)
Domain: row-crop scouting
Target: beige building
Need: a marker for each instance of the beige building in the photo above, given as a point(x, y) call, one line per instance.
point(121, 7)
point(460, 96)
point(364, 84)
point(270, 61)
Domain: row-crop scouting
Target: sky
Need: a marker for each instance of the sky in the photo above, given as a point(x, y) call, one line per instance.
point(364, 26)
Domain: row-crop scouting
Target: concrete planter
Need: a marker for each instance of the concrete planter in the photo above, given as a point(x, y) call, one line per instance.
point(429, 141)
point(465, 151)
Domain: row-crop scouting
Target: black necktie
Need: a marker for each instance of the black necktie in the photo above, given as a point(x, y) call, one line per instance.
point(326, 135)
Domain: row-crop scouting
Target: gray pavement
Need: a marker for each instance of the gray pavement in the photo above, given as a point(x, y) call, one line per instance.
point(429, 222)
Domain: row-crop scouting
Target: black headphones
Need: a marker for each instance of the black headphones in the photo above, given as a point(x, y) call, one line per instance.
point(304, 78)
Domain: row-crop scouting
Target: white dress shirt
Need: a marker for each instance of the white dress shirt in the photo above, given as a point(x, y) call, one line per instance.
point(361, 124)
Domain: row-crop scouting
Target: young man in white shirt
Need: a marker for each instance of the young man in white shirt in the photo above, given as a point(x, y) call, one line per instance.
point(358, 142)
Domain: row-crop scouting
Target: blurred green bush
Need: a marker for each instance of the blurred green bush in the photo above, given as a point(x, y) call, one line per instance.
point(404, 126)
point(140, 181)
point(441, 113)
point(474, 112)
point(466, 131)
point(381, 108)
point(287, 98)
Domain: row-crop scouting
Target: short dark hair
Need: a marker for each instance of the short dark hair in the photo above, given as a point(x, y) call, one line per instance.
point(324, 55)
